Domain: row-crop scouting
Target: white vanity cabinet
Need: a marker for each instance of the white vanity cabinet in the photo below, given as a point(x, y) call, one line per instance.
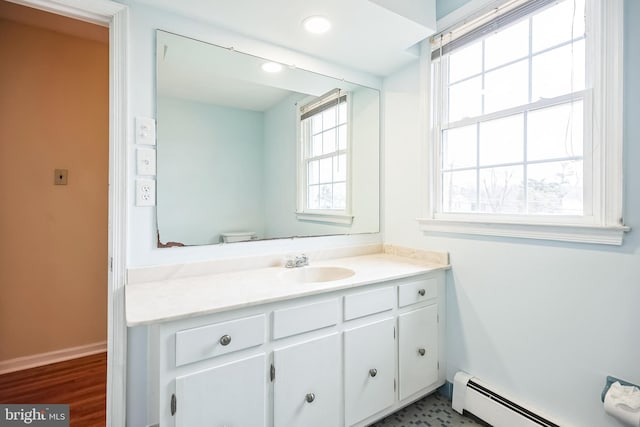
point(307, 376)
point(369, 369)
point(417, 349)
point(220, 396)
point(341, 358)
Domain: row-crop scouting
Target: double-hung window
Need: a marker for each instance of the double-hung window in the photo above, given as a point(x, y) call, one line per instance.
point(524, 108)
point(324, 159)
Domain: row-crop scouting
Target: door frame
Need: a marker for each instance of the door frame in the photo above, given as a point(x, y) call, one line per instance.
point(114, 16)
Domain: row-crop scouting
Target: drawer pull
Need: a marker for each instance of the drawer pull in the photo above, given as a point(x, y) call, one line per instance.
point(225, 340)
point(373, 372)
point(421, 292)
point(421, 351)
point(310, 397)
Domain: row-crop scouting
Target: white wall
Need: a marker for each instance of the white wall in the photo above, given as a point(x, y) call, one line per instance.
point(545, 322)
point(201, 191)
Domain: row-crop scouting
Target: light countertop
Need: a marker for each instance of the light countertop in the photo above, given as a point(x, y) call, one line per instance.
point(182, 297)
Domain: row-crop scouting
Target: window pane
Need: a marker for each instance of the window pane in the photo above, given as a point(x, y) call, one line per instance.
point(325, 197)
point(459, 147)
point(316, 124)
point(339, 195)
point(555, 132)
point(342, 112)
point(507, 45)
point(459, 191)
point(316, 145)
point(342, 137)
point(501, 141)
point(340, 167)
point(501, 190)
point(329, 141)
point(464, 99)
point(329, 117)
point(314, 172)
point(558, 24)
point(325, 170)
point(465, 62)
point(555, 188)
point(558, 71)
point(506, 87)
point(313, 201)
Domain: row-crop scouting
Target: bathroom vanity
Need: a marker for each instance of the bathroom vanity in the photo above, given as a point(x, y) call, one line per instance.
point(342, 342)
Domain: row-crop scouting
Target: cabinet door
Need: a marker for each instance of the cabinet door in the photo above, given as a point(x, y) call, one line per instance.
point(307, 383)
point(369, 369)
point(418, 349)
point(231, 395)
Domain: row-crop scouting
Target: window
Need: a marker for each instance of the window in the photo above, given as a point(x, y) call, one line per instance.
point(324, 159)
point(523, 104)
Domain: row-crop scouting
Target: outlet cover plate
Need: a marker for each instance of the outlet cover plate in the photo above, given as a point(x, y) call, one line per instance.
point(146, 161)
point(145, 192)
point(145, 131)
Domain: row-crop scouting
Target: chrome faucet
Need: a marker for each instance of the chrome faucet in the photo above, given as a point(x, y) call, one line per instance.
point(297, 261)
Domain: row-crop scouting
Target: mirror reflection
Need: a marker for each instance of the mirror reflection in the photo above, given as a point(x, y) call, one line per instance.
point(250, 149)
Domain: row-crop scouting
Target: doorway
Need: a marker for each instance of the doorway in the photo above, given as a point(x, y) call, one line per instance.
point(54, 178)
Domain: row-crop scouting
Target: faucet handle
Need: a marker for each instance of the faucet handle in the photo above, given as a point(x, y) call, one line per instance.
point(302, 260)
point(290, 261)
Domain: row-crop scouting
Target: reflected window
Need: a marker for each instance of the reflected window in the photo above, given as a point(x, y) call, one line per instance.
point(324, 154)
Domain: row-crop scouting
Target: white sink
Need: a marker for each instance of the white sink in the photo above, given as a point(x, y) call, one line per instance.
point(314, 274)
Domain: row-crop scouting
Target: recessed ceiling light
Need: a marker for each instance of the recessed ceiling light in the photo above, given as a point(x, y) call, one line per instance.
point(271, 67)
point(316, 24)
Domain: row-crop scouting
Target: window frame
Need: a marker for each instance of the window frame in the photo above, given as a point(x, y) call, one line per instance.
point(303, 213)
point(604, 27)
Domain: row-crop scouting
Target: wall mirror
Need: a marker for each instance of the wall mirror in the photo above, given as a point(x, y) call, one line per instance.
point(231, 160)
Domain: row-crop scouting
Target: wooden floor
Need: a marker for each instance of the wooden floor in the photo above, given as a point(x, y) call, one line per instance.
point(80, 383)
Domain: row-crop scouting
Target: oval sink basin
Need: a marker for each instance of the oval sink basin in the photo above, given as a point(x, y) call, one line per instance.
point(314, 274)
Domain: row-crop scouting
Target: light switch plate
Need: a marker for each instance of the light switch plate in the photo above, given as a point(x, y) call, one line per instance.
point(145, 131)
point(145, 192)
point(146, 161)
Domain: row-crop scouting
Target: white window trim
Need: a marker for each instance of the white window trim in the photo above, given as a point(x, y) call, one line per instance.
point(608, 227)
point(338, 217)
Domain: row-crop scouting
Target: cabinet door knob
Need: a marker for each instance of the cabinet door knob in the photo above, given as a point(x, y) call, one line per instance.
point(310, 397)
point(373, 372)
point(422, 351)
point(225, 340)
point(421, 292)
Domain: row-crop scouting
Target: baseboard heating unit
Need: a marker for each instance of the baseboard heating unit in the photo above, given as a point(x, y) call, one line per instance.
point(471, 395)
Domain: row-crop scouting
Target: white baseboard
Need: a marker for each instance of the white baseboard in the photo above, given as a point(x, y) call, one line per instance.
point(26, 362)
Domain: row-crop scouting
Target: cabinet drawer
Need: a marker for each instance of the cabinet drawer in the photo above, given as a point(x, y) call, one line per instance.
point(213, 340)
point(366, 303)
point(416, 291)
point(304, 318)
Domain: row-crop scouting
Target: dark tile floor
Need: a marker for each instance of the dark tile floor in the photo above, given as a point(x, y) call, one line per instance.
point(431, 411)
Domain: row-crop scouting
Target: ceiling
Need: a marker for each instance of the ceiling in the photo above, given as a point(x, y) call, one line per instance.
point(365, 36)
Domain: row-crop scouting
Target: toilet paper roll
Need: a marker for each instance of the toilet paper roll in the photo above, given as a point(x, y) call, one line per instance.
point(620, 411)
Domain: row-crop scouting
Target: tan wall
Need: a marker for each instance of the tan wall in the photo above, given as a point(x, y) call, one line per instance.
point(53, 239)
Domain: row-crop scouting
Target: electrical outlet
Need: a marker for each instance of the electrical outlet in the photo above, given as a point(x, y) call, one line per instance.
point(145, 192)
point(146, 161)
point(145, 131)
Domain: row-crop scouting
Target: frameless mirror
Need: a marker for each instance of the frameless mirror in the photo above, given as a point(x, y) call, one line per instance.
point(244, 153)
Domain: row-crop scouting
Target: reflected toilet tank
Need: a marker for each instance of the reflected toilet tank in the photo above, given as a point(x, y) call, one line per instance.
point(238, 236)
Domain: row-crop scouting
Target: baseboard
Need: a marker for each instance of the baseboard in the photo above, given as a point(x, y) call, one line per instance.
point(26, 362)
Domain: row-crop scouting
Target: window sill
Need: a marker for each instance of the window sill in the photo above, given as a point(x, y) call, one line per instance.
point(604, 235)
point(325, 217)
